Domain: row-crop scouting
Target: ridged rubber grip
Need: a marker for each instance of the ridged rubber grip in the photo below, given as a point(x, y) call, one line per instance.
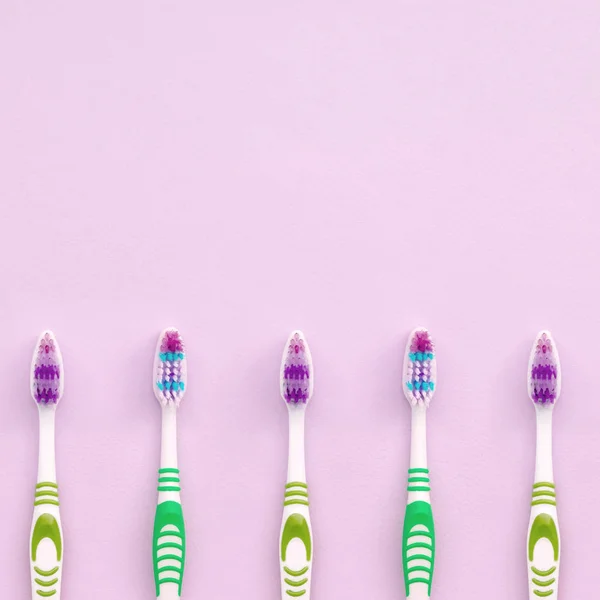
point(543, 543)
point(46, 543)
point(296, 544)
point(169, 535)
point(418, 536)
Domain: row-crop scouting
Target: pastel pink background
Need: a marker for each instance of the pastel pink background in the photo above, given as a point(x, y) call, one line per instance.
point(239, 169)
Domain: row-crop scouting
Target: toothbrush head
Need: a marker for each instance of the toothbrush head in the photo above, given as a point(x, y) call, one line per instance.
point(419, 373)
point(543, 375)
point(296, 378)
point(170, 368)
point(47, 378)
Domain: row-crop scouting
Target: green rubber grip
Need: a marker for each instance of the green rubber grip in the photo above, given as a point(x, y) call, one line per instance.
point(168, 540)
point(169, 514)
point(543, 582)
point(46, 527)
point(296, 526)
point(418, 535)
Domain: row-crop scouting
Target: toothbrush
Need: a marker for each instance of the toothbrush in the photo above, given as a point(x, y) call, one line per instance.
point(295, 540)
point(46, 547)
point(418, 538)
point(168, 547)
point(543, 537)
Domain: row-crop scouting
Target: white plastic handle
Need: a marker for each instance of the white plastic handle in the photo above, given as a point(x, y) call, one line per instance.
point(46, 547)
point(296, 546)
point(543, 537)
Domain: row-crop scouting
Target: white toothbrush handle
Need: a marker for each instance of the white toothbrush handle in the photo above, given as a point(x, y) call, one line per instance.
point(169, 542)
point(46, 541)
point(295, 540)
point(418, 537)
point(543, 537)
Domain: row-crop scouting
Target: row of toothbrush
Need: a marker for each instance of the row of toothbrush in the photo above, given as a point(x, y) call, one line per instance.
point(296, 546)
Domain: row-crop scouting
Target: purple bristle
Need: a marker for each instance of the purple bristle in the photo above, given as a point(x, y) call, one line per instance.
point(419, 376)
point(544, 372)
point(47, 372)
point(170, 368)
point(296, 372)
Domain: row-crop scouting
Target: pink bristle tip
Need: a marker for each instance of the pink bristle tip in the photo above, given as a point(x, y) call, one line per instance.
point(421, 342)
point(171, 341)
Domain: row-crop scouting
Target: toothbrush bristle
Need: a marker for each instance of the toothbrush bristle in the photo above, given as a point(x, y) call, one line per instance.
point(544, 371)
point(296, 371)
point(170, 368)
point(419, 376)
point(47, 377)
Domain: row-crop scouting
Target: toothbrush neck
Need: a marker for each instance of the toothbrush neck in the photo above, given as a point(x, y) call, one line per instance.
point(543, 452)
point(296, 468)
point(46, 459)
point(418, 438)
point(168, 447)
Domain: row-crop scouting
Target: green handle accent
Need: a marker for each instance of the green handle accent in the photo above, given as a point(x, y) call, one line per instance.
point(46, 493)
point(46, 527)
point(543, 527)
point(538, 502)
point(296, 493)
point(171, 478)
point(45, 573)
point(40, 502)
point(295, 573)
point(543, 583)
point(418, 514)
point(418, 480)
point(168, 513)
point(296, 526)
point(419, 580)
point(543, 573)
point(296, 496)
point(48, 583)
point(298, 583)
point(168, 545)
point(544, 493)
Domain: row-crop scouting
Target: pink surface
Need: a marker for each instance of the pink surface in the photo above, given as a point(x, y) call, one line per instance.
point(350, 168)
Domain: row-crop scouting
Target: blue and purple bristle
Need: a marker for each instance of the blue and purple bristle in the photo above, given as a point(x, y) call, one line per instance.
point(47, 380)
point(419, 375)
point(544, 370)
point(170, 372)
point(296, 371)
